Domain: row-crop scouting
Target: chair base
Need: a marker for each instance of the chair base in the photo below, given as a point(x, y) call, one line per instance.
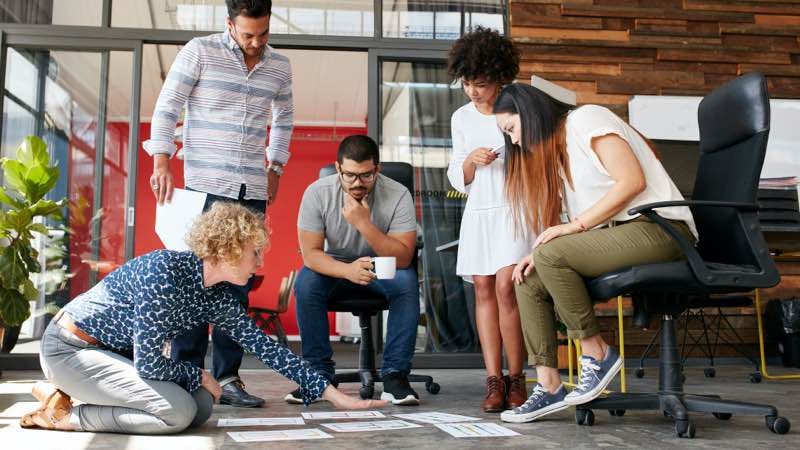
point(673, 402)
point(367, 373)
point(368, 379)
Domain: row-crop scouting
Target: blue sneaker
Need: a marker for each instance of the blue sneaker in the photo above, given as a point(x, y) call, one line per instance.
point(540, 403)
point(595, 377)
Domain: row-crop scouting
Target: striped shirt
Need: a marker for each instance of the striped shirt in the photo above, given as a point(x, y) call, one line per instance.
point(227, 112)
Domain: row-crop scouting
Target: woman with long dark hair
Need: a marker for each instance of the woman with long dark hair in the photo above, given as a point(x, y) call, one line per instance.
point(484, 61)
point(592, 166)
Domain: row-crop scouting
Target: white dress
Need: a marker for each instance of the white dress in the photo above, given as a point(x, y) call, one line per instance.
point(487, 240)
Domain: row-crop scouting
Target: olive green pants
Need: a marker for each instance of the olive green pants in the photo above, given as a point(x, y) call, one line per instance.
point(556, 286)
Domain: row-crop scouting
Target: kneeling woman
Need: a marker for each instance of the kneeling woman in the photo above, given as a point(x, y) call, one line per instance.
point(137, 309)
point(601, 167)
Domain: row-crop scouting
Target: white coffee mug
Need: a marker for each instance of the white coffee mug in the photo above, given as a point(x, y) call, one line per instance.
point(384, 267)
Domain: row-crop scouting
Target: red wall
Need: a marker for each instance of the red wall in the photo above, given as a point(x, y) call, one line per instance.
point(311, 149)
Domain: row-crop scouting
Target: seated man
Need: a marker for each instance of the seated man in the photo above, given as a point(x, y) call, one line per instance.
point(360, 214)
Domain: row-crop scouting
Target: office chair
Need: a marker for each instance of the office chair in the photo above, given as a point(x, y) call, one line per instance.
point(269, 319)
point(366, 304)
point(731, 255)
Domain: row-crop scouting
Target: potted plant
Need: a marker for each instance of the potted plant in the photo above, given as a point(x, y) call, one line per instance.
point(27, 180)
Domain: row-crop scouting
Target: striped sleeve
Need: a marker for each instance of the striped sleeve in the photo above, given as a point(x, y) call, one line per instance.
point(282, 121)
point(180, 82)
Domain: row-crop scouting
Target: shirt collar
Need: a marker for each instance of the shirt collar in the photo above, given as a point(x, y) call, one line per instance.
point(231, 43)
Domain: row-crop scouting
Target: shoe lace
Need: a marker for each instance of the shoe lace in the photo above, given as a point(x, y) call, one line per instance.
point(538, 393)
point(516, 382)
point(492, 384)
point(589, 371)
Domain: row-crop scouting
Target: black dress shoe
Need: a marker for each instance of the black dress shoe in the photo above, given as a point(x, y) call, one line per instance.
point(234, 394)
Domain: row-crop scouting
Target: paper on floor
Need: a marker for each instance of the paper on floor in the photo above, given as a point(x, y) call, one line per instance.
point(343, 415)
point(436, 417)
point(279, 435)
point(262, 421)
point(377, 425)
point(483, 429)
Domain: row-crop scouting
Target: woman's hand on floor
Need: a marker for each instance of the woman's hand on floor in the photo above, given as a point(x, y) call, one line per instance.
point(211, 385)
point(340, 400)
point(522, 269)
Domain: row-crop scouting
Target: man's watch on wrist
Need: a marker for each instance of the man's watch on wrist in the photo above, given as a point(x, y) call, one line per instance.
point(277, 168)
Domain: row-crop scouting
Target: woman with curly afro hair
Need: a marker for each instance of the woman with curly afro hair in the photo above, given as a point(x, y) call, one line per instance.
point(489, 244)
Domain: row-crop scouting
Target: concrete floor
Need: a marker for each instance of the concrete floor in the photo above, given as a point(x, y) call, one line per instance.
point(462, 391)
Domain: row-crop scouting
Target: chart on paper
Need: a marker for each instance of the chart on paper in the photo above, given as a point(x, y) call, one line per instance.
point(343, 415)
point(377, 425)
point(262, 421)
point(279, 435)
point(484, 429)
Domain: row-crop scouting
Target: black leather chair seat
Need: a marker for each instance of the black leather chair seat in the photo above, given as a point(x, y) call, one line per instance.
point(359, 304)
point(676, 277)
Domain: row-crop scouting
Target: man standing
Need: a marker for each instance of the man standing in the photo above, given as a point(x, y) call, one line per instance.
point(229, 83)
point(359, 213)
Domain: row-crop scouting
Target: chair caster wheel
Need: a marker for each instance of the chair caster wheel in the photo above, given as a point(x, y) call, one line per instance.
point(723, 416)
point(432, 387)
point(366, 392)
point(684, 428)
point(616, 412)
point(755, 377)
point(778, 425)
point(640, 372)
point(584, 417)
point(710, 372)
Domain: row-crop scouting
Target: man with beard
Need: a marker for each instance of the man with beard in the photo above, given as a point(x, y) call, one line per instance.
point(359, 214)
point(230, 83)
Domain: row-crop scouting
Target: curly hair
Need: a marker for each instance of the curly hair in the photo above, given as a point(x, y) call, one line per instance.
point(222, 232)
point(484, 53)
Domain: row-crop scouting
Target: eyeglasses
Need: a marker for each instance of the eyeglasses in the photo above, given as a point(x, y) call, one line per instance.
point(259, 254)
point(366, 177)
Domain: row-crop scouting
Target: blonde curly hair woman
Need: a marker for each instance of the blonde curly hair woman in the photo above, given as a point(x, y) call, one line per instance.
point(135, 310)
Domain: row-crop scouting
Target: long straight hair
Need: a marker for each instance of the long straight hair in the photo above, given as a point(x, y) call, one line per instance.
point(535, 167)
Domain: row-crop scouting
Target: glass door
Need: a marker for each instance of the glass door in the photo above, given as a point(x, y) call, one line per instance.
point(81, 97)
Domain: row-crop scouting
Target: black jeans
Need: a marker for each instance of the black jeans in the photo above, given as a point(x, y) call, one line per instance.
point(226, 353)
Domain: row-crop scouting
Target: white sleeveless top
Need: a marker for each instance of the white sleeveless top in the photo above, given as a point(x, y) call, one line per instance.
point(590, 179)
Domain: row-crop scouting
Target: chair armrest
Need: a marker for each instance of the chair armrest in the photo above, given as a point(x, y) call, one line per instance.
point(700, 203)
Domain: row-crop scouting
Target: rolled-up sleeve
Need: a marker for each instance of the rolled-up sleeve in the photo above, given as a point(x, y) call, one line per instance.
point(455, 171)
point(232, 319)
point(180, 82)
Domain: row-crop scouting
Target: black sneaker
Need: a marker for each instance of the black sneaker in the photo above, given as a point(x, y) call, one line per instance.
point(233, 393)
point(397, 390)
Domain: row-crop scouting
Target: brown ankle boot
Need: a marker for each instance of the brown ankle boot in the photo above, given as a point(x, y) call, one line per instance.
point(516, 392)
point(495, 394)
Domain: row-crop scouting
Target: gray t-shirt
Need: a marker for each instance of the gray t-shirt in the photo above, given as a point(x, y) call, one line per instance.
point(391, 210)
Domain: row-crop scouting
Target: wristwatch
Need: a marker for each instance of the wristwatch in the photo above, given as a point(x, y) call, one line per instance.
point(277, 168)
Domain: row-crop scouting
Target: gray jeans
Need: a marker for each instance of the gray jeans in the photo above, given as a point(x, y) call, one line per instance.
point(117, 399)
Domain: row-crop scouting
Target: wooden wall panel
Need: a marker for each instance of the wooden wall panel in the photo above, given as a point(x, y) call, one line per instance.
point(608, 50)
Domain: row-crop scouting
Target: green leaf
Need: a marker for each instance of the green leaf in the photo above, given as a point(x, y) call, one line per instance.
point(33, 150)
point(14, 271)
point(14, 172)
point(14, 308)
point(8, 200)
point(29, 291)
point(45, 207)
point(30, 257)
point(40, 228)
point(18, 220)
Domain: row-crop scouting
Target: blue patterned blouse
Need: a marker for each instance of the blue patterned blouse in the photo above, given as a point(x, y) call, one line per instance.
point(160, 295)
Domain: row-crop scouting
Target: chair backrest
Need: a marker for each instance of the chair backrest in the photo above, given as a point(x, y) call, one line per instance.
point(401, 172)
point(285, 291)
point(734, 122)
